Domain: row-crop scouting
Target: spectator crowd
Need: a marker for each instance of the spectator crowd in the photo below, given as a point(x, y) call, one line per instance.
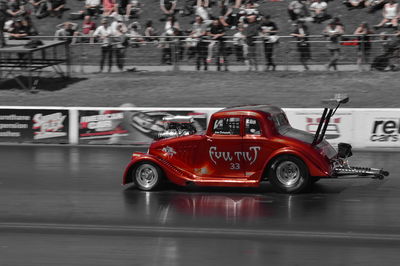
point(219, 28)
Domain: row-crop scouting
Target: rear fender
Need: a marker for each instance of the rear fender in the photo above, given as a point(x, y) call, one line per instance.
point(315, 167)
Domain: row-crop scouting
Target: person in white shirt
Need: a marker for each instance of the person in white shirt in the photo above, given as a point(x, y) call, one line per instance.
point(241, 47)
point(103, 32)
point(390, 14)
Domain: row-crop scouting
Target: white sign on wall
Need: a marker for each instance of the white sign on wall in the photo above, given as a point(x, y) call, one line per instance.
point(378, 128)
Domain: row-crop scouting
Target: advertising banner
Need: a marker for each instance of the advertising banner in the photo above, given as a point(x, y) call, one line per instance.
point(379, 128)
point(130, 127)
point(339, 129)
point(37, 126)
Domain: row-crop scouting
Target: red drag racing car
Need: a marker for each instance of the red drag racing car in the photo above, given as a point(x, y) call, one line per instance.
point(242, 147)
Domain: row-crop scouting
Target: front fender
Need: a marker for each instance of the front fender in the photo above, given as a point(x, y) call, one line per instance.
point(316, 164)
point(175, 175)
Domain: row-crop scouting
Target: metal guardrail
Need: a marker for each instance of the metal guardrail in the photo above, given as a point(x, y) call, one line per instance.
point(179, 50)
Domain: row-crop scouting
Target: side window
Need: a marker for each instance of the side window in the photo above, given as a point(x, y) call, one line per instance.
point(252, 127)
point(227, 126)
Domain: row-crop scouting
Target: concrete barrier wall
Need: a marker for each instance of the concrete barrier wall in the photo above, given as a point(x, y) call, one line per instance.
point(363, 128)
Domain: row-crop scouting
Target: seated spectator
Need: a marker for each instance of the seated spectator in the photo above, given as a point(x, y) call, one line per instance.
point(92, 7)
point(201, 10)
point(56, 7)
point(18, 31)
point(88, 28)
point(250, 7)
point(168, 7)
point(15, 9)
point(226, 16)
point(375, 5)
point(390, 14)
point(318, 11)
point(171, 24)
point(39, 8)
point(65, 30)
point(118, 23)
point(298, 10)
point(134, 34)
point(352, 4)
point(188, 8)
point(109, 7)
point(133, 9)
point(149, 31)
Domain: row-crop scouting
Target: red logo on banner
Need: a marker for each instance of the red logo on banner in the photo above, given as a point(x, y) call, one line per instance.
point(332, 131)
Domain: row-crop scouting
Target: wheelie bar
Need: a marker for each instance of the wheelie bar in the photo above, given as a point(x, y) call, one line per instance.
point(360, 172)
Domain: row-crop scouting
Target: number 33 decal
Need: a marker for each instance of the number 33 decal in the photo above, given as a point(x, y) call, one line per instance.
point(235, 166)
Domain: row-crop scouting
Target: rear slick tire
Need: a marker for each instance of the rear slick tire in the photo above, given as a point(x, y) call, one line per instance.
point(147, 176)
point(289, 174)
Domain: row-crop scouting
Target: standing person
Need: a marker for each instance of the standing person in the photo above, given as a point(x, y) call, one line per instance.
point(364, 47)
point(3, 19)
point(199, 30)
point(104, 33)
point(251, 31)
point(216, 33)
point(240, 46)
point(303, 46)
point(333, 32)
point(119, 34)
point(269, 31)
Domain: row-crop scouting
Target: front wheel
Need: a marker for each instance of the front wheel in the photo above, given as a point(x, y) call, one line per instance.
point(147, 176)
point(289, 174)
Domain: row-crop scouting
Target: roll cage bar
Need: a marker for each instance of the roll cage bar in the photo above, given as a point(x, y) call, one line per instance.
point(333, 105)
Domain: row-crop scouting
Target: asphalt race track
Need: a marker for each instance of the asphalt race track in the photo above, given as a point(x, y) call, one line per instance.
point(66, 206)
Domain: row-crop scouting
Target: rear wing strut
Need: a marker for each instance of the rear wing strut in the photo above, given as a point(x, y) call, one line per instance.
point(333, 105)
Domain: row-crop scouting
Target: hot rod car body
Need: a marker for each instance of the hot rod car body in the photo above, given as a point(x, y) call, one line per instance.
point(242, 147)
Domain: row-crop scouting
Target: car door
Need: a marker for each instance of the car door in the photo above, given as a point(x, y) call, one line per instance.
point(223, 148)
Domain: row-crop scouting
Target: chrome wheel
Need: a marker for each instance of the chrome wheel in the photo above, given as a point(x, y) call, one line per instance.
point(146, 176)
point(288, 173)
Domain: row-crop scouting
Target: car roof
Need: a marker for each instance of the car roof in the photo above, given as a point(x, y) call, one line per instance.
point(258, 108)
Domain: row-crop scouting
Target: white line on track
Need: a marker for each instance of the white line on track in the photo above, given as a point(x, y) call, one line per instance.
point(185, 231)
